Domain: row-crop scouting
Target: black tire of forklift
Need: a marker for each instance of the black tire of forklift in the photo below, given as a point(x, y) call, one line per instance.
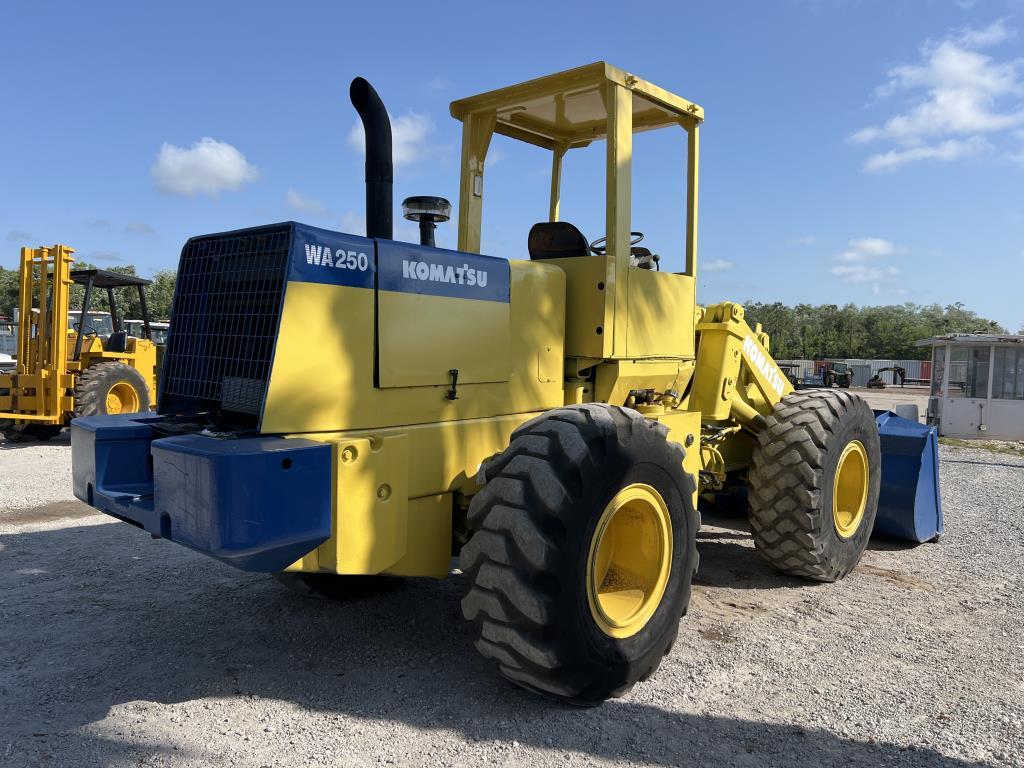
point(100, 378)
point(329, 586)
point(538, 530)
point(25, 433)
point(792, 483)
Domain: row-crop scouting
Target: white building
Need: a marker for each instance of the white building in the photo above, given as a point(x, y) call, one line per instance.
point(977, 387)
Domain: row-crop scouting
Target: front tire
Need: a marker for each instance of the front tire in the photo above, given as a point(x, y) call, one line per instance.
point(814, 484)
point(110, 388)
point(583, 551)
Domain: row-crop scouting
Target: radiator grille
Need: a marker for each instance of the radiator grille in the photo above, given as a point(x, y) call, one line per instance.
point(224, 322)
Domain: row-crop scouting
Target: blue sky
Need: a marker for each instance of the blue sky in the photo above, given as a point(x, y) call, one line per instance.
point(870, 152)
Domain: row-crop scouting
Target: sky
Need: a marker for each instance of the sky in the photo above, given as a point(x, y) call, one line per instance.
point(865, 152)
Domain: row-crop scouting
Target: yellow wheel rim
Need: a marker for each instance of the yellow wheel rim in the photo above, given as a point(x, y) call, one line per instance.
point(122, 398)
point(629, 561)
point(850, 491)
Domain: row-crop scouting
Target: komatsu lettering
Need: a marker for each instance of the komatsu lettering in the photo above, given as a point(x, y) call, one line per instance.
point(322, 256)
point(440, 273)
point(757, 359)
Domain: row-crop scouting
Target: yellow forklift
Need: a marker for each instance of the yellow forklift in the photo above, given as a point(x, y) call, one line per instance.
point(79, 365)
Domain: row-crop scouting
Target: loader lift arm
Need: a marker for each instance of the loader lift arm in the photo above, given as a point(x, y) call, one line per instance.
point(735, 376)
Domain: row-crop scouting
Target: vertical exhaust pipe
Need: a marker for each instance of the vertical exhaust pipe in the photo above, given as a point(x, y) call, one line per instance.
point(379, 171)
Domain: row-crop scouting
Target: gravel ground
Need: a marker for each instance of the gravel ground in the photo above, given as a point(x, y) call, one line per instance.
point(890, 397)
point(119, 650)
point(33, 474)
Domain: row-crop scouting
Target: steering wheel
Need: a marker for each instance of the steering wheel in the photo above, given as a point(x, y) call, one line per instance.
point(599, 247)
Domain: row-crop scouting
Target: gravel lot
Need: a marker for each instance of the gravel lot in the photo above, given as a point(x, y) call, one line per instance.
point(119, 650)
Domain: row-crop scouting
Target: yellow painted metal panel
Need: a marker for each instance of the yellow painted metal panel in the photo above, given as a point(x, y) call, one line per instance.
point(476, 138)
point(370, 508)
point(693, 153)
point(586, 309)
point(323, 370)
point(684, 427)
point(429, 538)
point(444, 456)
point(532, 107)
point(660, 314)
point(422, 338)
point(736, 376)
point(618, 211)
point(393, 494)
point(615, 379)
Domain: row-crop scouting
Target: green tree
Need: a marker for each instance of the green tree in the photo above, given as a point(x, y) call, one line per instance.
point(8, 291)
point(160, 294)
point(885, 332)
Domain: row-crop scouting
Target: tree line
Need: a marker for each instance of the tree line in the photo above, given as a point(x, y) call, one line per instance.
point(158, 294)
point(812, 332)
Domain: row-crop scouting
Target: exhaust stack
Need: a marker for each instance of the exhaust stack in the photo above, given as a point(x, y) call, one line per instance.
point(379, 171)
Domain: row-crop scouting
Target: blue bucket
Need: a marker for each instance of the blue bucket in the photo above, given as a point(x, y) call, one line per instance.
point(909, 505)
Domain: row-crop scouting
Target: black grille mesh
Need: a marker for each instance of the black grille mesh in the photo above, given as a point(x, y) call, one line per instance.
point(224, 322)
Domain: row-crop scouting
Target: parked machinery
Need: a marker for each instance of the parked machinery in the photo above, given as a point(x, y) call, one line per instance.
point(71, 364)
point(836, 374)
point(898, 372)
point(333, 405)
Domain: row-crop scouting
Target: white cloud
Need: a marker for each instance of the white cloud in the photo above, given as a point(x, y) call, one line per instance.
point(716, 265)
point(297, 202)
point(409, 138)
point(99, 223)
point(208, 167)
point(138, 228)
point(863, 273)
point(995, 33)
point(353, 223)
point(866, 249)
point(859, 263)
point(806, 240)
point(954, 95)
point(950, 149)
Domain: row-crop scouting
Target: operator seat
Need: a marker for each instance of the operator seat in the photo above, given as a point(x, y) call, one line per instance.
point(556, 240)
point(117, 341)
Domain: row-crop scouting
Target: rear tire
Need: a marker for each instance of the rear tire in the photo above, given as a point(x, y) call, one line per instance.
point(544, 587)
point(807, 521)
point(111, 387)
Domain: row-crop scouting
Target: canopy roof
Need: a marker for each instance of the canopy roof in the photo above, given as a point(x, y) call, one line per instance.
point(569, 109)
point(103, 278)
point(971, 338)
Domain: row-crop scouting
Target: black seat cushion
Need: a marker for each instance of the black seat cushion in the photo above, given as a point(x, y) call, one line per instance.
point(117, 342)
point(556, 240)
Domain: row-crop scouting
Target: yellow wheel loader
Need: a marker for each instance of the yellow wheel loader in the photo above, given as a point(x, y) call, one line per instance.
point(79, 363)
point(335, 407)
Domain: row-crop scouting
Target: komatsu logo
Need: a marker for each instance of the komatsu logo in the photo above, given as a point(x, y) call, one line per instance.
point(439, 273)
point(759, 360)
point(323, 256)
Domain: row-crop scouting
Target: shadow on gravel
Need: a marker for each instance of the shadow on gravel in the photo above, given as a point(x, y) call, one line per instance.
point(983, 463)
point(64, 438)
point(726, 563)
point(96, 616)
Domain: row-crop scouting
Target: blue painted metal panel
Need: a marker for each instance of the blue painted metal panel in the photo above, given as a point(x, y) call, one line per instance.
point(334, 258)
point(409, 268)
point(910, 504)
point(258, 503)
